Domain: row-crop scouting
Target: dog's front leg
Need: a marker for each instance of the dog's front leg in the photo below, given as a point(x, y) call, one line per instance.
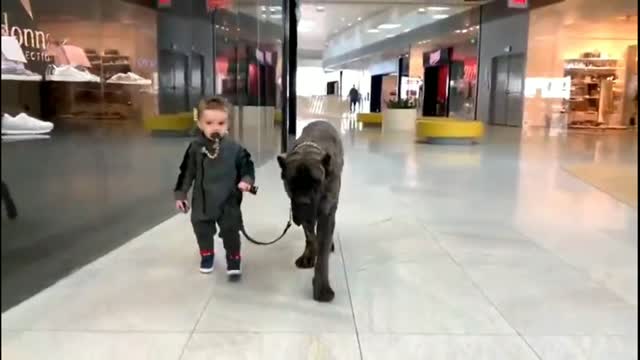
point(321, 288)
point(308, 258)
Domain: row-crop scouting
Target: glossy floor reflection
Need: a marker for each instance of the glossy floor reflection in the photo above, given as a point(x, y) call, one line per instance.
point(445, 252)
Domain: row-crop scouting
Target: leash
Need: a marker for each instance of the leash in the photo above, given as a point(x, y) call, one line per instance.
point(254, 191)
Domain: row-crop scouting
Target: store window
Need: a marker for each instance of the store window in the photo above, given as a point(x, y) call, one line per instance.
point(582, 70)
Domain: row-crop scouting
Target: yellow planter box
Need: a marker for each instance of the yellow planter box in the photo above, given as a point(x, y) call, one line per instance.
point(370, 118)
point(170, 122)
point(448, 128)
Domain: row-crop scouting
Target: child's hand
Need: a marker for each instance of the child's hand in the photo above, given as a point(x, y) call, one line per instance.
point(182, 205)
point(244, 186)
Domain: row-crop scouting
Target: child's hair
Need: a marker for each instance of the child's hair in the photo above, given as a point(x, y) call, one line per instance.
point(213, 103)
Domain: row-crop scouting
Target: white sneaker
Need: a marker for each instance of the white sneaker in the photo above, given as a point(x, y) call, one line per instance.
point(24, 124)
point(70, 74)
point(129, 78)
point(14, 70)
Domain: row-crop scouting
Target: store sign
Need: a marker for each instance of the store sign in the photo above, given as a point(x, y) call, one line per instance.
point(18, 23)
point(548, 88)
point(217, 4)
point(164, 3)
point(518, 4)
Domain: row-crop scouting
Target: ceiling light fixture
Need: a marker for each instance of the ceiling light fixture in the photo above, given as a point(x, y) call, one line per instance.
point(421, 10)
point(373, 30)
point(349, 24)
point(389, 36)
point(276, 16)
point(438, 8)
point(407, 30)
point(320, 8)
point(359, 19)
point(388, 26)
point(440, 16)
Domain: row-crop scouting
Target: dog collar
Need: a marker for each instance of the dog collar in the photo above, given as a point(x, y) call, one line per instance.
point(308, 143)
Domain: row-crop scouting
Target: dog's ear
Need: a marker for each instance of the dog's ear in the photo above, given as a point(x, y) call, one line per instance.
point(282, 161)
point(326, 163)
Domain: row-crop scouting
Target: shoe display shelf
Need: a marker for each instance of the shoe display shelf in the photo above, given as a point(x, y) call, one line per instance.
point(595, 95)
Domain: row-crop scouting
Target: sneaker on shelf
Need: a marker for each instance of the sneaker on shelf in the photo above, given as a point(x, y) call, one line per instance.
point(24, 124)
point(20, 74)
point(206, 263)
point(70, 74)
point(234, 267)
point(129, 78)
point(14, 70)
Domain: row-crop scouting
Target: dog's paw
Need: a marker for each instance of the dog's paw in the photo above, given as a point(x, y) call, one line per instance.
point(323, 293)
point(305, 262)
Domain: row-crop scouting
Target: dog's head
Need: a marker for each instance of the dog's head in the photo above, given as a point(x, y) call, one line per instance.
point(304, 180)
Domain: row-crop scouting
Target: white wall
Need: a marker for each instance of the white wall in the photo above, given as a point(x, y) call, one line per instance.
point(311, 80)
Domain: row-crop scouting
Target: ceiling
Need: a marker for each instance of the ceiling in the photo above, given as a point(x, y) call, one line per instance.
point(324, 22)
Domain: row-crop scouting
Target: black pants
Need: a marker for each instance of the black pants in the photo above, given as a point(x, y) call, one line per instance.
point(354, 105)
point(230, 223)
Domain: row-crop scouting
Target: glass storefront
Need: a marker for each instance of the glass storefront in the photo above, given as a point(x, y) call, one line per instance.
point(97, 100)
point(582, 70)
point(447, 68)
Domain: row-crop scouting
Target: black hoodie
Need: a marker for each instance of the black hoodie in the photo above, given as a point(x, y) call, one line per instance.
point(216, 180)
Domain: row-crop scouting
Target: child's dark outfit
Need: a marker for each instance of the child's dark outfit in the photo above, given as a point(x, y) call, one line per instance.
point(215, 172)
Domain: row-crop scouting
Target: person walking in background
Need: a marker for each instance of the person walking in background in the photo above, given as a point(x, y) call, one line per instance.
point(354, 96)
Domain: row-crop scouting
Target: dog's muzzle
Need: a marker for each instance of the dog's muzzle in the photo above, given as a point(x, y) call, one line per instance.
point(303, 213)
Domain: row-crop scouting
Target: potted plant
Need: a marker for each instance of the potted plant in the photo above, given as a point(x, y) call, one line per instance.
point(400, 115)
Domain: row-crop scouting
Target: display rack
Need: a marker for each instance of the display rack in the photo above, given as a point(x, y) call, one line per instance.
point(595, 95)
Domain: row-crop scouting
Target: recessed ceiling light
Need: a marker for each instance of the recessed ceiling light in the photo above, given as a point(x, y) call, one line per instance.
point(458, 31)
point(464, 31)
point(438, 8)
point(342, 19)
point(264, 15)
point(320, 8)
point(359, 19)
point(440, 16)
point(421, 10)
point(276, 16)
point(407, 30)
point(373, 30)
point(264, 8)
point(389, 36)
point(349, 24)
point(388, 26)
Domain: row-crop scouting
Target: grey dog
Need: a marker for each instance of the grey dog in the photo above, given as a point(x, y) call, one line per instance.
point(311, 172)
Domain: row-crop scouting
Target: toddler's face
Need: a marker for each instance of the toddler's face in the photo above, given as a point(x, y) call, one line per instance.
point(213, 122)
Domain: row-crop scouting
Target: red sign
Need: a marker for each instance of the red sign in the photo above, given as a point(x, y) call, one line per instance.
point(164, 3)
point(217, 4)
point(518, 4)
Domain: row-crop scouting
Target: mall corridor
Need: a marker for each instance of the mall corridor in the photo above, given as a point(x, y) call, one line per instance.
point(443, 252)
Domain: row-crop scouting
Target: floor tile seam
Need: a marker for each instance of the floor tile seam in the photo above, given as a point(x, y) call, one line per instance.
point(480, 290)
point(544, 250)
point(318, 333)
point(346, 279)
point(590, 279)
point(195, 326)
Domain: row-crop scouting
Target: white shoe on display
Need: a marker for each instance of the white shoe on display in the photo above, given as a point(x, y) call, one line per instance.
point(70, 74)
point(129, 78)
point(24, 124)
point(14, 70)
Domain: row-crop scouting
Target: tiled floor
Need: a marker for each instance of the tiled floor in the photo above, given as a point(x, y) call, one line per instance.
point(444, 252)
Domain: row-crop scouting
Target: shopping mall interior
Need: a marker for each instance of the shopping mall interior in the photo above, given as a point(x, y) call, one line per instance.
point(488, 203)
